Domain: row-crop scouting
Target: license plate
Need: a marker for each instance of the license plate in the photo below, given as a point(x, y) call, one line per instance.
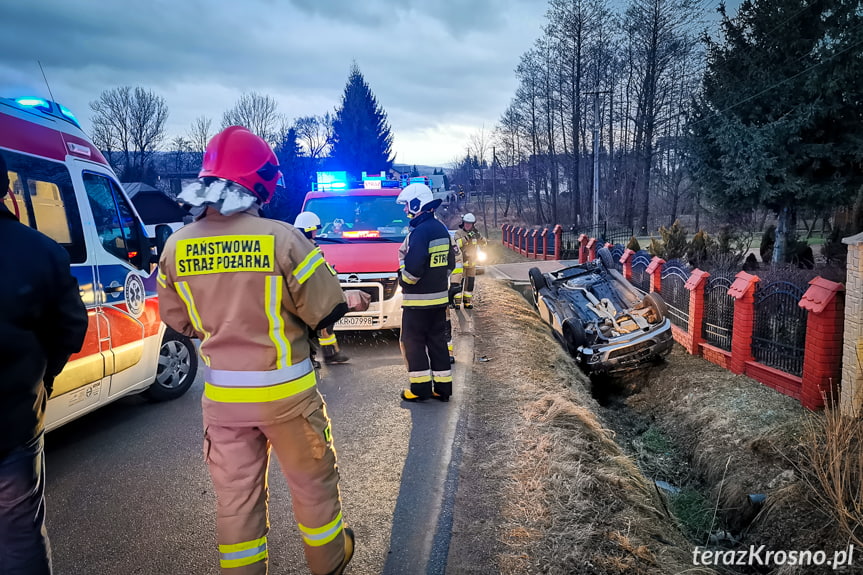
point(353, 321)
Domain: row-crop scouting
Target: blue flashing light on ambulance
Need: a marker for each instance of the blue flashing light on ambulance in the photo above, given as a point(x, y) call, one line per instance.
point(62, 186)
point(362, 228)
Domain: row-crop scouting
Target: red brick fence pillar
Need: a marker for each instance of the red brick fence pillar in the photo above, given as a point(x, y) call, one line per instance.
point(654, 270)
point(743, 292)
point(591, 249)
point(822, 359)
point(696, 284)
point(626, 260)
point(582, 251)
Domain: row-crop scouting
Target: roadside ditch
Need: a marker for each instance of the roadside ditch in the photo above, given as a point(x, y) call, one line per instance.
point(724, 456)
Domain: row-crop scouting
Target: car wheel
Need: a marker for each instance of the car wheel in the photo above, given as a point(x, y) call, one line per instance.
point(178, 366)
point(605, 256)
point(655, 302)
point(537, 282)
point(574, 337)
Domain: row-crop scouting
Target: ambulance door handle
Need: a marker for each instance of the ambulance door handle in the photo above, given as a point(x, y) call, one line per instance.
point(114, 289)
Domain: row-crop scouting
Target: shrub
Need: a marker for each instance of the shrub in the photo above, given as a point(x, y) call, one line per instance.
point(698, 250)
point(633, 244)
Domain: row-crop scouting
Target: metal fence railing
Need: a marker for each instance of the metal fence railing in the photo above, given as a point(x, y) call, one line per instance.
point(718, 311)
point(640, 277)
point(675, 274)
point(779, 335)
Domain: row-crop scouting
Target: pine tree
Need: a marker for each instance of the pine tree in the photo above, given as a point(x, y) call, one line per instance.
point(362, 140)
point(288, 200)
point(779, 123)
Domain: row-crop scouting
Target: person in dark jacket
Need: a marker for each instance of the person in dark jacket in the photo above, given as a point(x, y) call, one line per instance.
point(426, 261)
point(42, 322)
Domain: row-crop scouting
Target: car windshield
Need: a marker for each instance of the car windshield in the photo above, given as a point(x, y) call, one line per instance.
point(362, 218)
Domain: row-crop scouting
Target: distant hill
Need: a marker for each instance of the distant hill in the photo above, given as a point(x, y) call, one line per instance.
point(423, 170)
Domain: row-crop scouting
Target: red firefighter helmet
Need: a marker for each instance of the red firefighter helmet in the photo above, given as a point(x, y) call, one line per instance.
point(238, 155)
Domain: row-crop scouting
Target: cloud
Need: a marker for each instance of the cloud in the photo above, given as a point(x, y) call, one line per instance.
point(431, 64)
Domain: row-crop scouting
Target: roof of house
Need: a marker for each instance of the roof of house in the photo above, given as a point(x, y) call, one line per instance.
point(134, 188)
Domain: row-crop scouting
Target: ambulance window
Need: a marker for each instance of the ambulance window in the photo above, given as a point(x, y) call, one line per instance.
point(44, 199)
point(118, 229)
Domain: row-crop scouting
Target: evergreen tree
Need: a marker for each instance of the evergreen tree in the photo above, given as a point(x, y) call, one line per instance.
point(362, 140)
point(779, 122)
point(415, 173)
point(288, 200)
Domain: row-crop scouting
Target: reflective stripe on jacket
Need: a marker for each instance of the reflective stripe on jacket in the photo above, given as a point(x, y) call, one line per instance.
point(426, 259)
point(249, 288)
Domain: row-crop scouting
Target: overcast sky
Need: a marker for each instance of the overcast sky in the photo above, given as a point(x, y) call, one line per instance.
point(441, 69)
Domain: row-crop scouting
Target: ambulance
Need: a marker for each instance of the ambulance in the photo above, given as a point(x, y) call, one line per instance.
point(362, 228)
point(62, 186)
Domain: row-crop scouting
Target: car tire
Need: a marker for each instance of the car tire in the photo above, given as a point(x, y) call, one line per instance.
point(573, 337)
point(605, 256)
point(537, 282)
point(178, 366)
point(655, 302)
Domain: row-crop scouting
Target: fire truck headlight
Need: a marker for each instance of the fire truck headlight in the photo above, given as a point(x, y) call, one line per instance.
point(480, 255)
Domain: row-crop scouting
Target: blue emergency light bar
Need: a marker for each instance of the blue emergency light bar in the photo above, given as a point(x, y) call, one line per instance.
point(48, 107)
point(330, 181)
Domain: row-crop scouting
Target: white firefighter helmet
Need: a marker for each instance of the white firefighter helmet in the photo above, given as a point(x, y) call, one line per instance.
point(307, 222)
point(418, 197)
point(469, 218)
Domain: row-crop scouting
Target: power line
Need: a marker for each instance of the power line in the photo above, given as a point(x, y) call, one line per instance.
point(786, 80)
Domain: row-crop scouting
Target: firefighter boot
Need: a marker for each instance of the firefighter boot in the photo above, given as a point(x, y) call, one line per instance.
point(332, 354)
point(349, 552)
point(408, 395)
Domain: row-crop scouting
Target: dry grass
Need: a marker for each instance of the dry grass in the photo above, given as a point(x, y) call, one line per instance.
point(834, 453)
point(555, 490)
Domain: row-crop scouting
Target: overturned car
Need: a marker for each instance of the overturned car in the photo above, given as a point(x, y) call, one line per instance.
point(601, 319)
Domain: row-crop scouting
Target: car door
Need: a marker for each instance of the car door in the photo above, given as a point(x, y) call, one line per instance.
point(122, 270)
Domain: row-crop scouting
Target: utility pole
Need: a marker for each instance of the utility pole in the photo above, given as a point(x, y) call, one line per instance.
point(596, 94)
point(494, 184)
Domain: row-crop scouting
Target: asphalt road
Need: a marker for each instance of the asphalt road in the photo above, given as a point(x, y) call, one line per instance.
point(128, 491)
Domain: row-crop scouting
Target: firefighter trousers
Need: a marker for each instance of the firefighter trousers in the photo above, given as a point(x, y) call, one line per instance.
point(238, 459)
point(424, 346)
point(468, 283)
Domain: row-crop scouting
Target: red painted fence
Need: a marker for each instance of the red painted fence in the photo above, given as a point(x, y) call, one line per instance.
point(824, 302)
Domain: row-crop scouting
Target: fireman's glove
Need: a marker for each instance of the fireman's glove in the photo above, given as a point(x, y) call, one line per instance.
point(358, 300)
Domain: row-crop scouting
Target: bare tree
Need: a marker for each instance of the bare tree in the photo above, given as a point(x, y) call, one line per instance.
point(199, 134)
point(258, 113)
point(112, 123)
point(131, 121)
point(315, 134)
point(148, 116)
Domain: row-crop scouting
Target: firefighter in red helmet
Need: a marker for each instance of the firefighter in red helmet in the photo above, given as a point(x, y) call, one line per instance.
point(250, 288)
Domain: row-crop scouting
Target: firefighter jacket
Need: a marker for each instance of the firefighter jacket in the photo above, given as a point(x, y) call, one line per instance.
point(468, 242)
point(458, 270)
point(249, 288)
point(42, 322)
point(426, 259)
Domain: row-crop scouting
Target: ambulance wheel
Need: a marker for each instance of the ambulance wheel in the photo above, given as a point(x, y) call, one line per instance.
point(178, 366)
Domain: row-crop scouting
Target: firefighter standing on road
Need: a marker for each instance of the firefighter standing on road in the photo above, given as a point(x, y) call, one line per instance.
point(249, 288)
point(426, 260)
point(454, 289)
point(469, 241)
point(309, 223)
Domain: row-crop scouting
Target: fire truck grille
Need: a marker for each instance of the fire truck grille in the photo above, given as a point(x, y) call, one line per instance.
point(390, 286)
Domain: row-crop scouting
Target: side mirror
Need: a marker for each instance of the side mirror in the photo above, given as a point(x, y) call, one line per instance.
point(163, 232)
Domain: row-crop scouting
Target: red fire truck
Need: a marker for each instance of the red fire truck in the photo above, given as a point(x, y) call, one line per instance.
point(362, 228)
